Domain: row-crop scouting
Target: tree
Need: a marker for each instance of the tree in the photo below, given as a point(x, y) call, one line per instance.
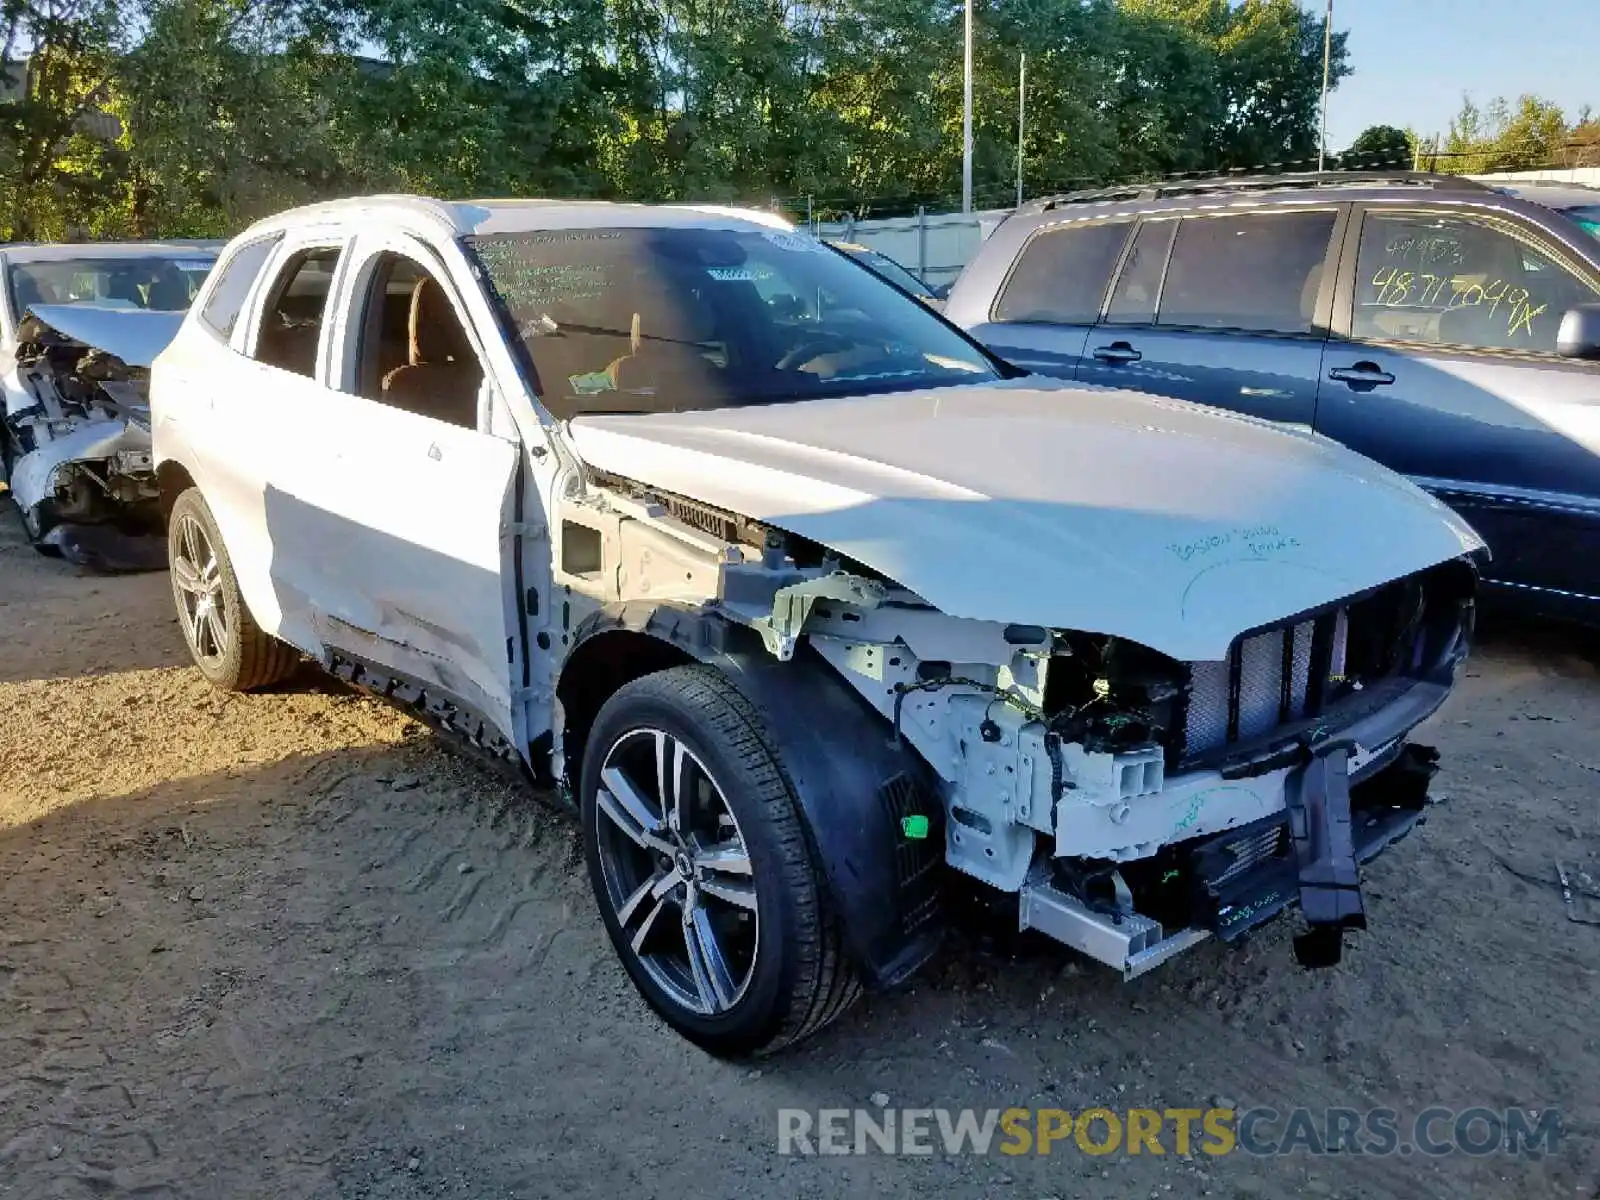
point(1380, 146)
point(56, 170)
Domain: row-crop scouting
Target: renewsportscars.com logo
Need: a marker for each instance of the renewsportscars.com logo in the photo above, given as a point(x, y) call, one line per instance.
point(1261, 1131)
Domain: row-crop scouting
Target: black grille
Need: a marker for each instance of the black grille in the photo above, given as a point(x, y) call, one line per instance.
point(1301, 670)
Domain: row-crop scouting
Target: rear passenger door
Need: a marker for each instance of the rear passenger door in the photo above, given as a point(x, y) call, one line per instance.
point(264, 427)
point(1228, 309)
point(1443, 367)
point(1052, 297)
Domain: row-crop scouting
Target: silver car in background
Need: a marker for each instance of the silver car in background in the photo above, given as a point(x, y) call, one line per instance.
point(80, 325)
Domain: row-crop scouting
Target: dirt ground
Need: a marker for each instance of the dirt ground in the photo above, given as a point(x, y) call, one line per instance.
point(287, 946)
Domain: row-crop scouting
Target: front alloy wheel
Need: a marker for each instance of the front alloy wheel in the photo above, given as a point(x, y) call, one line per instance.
point(677, 871)
point(701, 863)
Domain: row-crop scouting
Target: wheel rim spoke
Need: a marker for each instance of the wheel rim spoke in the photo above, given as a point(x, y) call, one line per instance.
point(668, 839)
point(651, 898)
point(630, 812)
point(725, 873)
point(191, 539)
point(712, 980)
point(186, 577)
point(672, 765)
point(216, 629)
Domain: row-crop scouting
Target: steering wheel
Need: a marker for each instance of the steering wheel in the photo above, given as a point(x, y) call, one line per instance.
point(811, 347)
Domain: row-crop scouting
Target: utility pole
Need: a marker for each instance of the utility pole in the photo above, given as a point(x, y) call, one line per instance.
point(966, 121)
point(1022, 110)
point(1327, 54)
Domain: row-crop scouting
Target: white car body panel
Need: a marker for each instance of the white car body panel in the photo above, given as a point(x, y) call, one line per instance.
point(399, 578)
point(1172, 525)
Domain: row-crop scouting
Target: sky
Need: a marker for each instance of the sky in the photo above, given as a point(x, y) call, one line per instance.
point(1413, 59)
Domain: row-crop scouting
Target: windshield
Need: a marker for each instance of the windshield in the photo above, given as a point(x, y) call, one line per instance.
point(157, 282)
point(671, 320)
point(891, 270)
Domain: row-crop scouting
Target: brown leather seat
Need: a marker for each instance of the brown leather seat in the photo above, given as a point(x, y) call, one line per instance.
point(442, 378)
point(665, 336)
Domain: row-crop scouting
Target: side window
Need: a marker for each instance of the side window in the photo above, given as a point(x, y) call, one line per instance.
point(1139, 285)
point(413, 352)
point(226, 301)
point(1258, 272)
point(291, 323)
point(1447, 279)
point(1062, 274)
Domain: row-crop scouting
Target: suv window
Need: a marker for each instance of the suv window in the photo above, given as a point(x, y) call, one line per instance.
point(291, 324)
point(414, 352)
point(674, 319)
point(222, 307)
point(1258, 272)
point(1062, 274)
point(1459, 280)
point(1139, 285)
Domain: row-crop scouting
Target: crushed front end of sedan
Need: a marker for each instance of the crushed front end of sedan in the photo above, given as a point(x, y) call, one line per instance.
point(77, 432)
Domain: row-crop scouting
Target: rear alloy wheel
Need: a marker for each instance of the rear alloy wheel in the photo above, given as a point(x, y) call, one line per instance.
point(224, 640)
point(702, 868)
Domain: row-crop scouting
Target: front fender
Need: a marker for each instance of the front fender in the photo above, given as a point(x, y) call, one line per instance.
point(853, 785)
point(856, 791)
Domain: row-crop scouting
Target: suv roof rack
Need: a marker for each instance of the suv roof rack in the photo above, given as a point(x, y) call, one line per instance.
point(1223, 184)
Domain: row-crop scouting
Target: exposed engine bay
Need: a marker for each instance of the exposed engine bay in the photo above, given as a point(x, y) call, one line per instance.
point(76, 433)
point(1132, 803)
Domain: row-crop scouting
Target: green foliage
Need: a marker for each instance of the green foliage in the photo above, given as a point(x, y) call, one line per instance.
point(1380, 146)
point(1524, 135)
point(229, 109)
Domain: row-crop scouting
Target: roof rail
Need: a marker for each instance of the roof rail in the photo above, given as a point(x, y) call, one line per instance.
point(1223, 184)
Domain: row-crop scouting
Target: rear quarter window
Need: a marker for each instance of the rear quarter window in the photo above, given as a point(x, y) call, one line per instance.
point(1061, 275)
point(234, 279)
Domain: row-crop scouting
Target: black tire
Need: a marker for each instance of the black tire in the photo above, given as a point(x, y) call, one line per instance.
point(801, 977)
point(243, 658)
point(38, 521)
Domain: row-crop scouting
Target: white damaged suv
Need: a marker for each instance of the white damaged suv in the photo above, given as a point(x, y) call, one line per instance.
point(801, 596)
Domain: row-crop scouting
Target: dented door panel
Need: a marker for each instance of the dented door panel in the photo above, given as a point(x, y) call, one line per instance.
point(407, 524)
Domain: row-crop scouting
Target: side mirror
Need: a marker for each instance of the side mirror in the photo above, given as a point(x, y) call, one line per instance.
point(1579, 336)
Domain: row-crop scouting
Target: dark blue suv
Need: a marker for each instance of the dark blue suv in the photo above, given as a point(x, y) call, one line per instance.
point(1448, 329)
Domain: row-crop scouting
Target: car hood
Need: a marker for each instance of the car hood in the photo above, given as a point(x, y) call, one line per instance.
point(1168, 523)
point(135, 335)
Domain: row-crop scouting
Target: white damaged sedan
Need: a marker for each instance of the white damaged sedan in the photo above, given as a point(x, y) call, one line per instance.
point(808, 604)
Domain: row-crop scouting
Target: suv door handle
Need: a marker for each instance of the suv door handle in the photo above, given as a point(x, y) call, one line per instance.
point(1117, 352)
point(1362, 375)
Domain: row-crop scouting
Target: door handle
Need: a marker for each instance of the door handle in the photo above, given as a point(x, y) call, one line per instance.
point(1364, 375)
point(1117, 352)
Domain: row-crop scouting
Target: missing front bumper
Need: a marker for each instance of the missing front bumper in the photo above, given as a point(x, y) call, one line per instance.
point(1238, 880)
